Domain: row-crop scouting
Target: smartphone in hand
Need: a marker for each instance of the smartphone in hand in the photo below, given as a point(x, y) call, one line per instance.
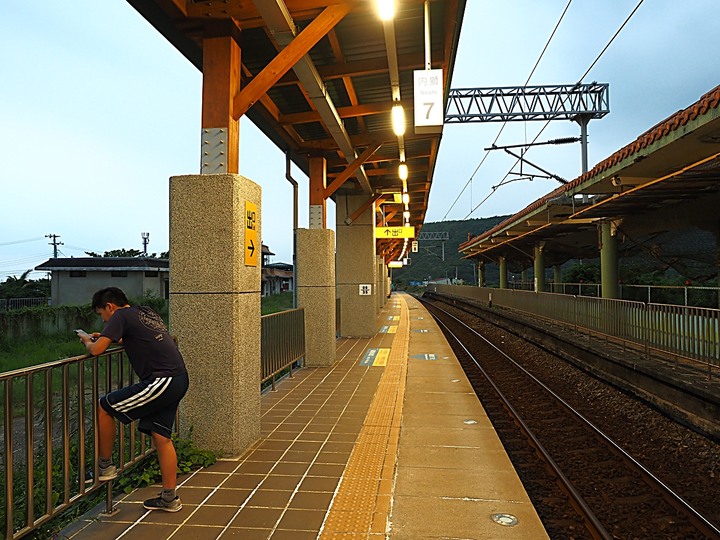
point(83, 334)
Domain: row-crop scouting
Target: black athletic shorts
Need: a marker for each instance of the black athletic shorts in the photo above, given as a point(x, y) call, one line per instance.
point(154, 402)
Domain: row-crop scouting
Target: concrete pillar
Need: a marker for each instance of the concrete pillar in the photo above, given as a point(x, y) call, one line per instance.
point(539, 267)
point(316, 293)
point(381, 282)
point(356, 266)
point(215, 308)
point(608, 261)
point(480, 273)
point(557, 278)
point(502, 263)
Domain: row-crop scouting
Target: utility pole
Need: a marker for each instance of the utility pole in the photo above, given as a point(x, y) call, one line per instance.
point(54, 243)
point(145, 241)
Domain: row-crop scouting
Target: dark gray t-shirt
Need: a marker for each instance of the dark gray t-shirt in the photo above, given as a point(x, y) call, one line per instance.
point(150, 348)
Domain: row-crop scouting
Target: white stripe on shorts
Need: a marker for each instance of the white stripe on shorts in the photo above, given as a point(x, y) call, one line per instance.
point(153, 391)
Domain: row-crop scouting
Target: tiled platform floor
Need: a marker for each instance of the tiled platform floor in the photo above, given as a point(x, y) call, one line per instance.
point(399, 449)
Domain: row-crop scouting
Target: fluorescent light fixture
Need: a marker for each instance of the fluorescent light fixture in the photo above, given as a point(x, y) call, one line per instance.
point(395, 264)
point(398, 120)
point(403, 171)
point(386, 9)
point(406, 215)
point(406, 198)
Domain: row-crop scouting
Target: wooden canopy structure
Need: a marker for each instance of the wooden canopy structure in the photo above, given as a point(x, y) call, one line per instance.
point(319, 79)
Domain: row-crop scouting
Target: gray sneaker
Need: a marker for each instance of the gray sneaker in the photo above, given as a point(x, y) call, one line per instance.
point(158, 503)
point(107, 473)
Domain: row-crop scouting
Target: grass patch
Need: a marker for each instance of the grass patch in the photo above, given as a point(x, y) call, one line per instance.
point(276, 302)
point(38, 350)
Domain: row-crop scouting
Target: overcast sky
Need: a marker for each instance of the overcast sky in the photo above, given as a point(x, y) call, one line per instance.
point(98, 110)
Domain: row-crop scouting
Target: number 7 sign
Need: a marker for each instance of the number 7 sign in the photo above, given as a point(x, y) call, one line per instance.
point(428, 100)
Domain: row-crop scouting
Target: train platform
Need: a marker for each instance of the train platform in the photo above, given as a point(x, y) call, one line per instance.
point(389, 442)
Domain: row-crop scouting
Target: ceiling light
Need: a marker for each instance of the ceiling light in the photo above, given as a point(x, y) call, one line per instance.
point(403, 171)
point(386, 9)
point(406, 198)
point(406, 215)
point(398, 119)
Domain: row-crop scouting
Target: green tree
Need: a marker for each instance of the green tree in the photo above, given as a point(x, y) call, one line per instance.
point(582, 273)
point(127, 253)
point(22, 287)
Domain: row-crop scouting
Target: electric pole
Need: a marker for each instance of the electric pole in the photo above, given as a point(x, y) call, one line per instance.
point(54, 243)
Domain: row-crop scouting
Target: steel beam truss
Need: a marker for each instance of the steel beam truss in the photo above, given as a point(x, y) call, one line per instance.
point(434, 236)
point(525, 103)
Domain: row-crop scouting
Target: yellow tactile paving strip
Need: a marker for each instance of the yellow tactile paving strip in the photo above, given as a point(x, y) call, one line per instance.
point(363, 499)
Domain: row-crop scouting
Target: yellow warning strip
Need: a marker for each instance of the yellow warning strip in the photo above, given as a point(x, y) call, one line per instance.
point(361, 504)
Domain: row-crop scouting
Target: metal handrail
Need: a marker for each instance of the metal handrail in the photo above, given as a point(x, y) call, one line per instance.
point(50, 437)
point(49, 425)
point(282, 343)
point(690, 333)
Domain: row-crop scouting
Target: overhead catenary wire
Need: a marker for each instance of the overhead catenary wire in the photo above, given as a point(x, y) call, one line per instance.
point(502, 128)
point(547, 123)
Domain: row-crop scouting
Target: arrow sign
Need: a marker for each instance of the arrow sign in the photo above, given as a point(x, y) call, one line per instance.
point(252, 220)
point(395, 232)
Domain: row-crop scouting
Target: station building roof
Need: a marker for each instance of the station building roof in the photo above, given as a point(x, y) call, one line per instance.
point(669, 175)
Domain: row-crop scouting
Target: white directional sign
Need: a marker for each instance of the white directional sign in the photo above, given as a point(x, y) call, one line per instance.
point(428, 94)
point(415, 246)
point(365, 289)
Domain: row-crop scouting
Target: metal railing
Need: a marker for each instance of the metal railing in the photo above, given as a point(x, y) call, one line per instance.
point(682, 295)
point(681, 331)
point(49, 426)
point(282, 343)
point(20, 303)
point(50, 437)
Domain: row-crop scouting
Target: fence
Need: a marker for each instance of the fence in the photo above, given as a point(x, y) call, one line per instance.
point(282, 343)
point(49, 434)
point(685, 295)
point(682, 331)
point(19, 303)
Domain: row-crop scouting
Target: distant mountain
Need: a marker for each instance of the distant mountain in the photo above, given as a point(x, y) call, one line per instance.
point(428, 262)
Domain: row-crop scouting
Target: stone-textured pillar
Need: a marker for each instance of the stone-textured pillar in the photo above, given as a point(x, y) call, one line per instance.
point(608, 261)
point(502, 263)
point(380, 281)
point(539, 267)
point(356, 266)
point(215, 309)
point(316, 293)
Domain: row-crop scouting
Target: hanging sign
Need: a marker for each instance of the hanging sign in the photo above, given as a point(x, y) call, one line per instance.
point(428, 94)
point(394, 232)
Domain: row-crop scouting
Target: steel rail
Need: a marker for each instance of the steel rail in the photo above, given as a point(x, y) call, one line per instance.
point(676, 501)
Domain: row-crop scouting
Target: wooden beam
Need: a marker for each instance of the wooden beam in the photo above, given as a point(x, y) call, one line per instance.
point(363, 207)
point(288, 57)
point(350, 170)
point(344, 112)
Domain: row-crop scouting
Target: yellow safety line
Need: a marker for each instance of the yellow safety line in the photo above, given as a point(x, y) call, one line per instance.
point(362, 500)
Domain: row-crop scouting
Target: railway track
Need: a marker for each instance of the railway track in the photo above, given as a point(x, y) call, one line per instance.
point(584, 485)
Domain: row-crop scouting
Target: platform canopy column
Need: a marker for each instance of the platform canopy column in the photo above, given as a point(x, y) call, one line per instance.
point(557, 278)
point(220, 133)
point(316, 291)
point(480, 273)
point(609, 260)
point(539, 266)
point(356, 268)
point(502, 266)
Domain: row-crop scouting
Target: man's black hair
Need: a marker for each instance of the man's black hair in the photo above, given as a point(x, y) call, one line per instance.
point(109, 295)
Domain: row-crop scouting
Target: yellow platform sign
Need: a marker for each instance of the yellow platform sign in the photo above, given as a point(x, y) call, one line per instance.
point(252, 246)
point(394, 232)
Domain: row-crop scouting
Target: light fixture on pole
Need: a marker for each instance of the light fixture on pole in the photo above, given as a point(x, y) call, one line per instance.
point(386, 9)
point(406, 215)
point(403, 171)
point(398, 119)
point(406, 198)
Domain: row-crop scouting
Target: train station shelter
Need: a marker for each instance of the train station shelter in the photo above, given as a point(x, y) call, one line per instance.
point(352, 91)
point(667, 180)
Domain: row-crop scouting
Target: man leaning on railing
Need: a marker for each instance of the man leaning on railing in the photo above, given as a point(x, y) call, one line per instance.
point(154, 400)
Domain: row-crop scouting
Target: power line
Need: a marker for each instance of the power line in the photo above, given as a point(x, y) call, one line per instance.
point(497, 137)
point(617, 32)
point(20, 241)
